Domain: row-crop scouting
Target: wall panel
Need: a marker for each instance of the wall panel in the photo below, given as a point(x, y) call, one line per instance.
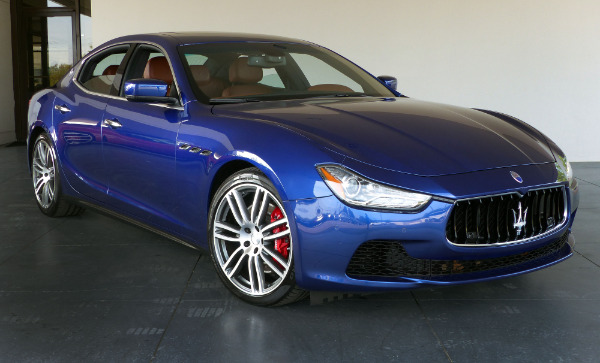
point(538, 60)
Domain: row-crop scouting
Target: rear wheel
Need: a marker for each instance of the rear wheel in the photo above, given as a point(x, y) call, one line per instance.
point(46, 180)
point(250, 241)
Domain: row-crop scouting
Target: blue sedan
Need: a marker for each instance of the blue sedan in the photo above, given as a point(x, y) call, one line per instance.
point(297, 169)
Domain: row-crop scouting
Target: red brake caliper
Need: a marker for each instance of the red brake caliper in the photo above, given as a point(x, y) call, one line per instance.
point(281, 244)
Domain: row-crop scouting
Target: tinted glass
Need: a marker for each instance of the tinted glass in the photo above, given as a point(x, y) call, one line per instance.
point(98, 72)
point(264, 71)
point(151, 63)
point(51, 42)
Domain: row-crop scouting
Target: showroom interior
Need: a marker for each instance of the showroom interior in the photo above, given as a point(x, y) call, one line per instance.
point(97, 288)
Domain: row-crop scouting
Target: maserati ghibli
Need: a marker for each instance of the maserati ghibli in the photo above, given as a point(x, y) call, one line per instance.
point(296, 169)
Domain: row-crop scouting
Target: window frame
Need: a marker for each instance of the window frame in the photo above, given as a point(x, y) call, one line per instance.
point(126, 68)
point(89, 63)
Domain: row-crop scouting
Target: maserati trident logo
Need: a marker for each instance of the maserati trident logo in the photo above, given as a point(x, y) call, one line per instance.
point(516, 177)
point(519, 219)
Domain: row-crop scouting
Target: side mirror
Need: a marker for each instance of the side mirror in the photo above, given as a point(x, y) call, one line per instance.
point(389, 81)
point(148, 90)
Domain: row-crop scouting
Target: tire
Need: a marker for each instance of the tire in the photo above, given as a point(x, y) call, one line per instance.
point(45, 175)
point(252, 253)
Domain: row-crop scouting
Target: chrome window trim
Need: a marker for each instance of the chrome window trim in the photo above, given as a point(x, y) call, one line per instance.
point(132, 43)
point(83, 64)
point(543, 235)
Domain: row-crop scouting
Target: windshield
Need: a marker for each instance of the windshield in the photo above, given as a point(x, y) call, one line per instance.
point(243, 72)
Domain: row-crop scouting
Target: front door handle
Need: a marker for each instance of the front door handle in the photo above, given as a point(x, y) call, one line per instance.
point(112, 123)
point(62, 108)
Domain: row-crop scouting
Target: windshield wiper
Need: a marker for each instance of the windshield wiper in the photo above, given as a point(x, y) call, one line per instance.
point(221, 101)
point(339, 95)
point(350, 95)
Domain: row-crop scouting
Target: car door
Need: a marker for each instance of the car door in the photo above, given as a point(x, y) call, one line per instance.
point(78, 114)
point(139, 141)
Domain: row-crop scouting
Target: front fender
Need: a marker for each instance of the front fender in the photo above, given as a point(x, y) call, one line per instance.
point(286, 158)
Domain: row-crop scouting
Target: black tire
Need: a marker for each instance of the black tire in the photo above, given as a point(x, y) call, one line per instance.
point(253, 264)
point(45, 175)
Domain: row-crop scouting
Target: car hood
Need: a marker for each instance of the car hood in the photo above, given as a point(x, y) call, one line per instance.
point(405, 135)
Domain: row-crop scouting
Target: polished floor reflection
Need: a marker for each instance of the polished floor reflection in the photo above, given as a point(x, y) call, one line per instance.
point(97, 289)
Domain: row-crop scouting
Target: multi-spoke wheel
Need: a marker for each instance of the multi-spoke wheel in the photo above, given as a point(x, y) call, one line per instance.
point(43, 167)
point(251, 242)
point(46, 180)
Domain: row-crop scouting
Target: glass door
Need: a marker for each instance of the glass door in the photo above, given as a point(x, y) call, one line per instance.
point(50, 44)
point(48, 36)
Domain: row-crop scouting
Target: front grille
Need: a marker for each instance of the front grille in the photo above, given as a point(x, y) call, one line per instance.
point(389, 259)
point(506, 218)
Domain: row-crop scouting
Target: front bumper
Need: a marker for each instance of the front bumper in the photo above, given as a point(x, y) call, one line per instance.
point(328, 233)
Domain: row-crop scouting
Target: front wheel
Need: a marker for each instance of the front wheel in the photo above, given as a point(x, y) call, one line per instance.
point(250, 241)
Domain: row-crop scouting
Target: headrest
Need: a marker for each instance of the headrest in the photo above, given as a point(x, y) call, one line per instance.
point(111, 70)
point(201, 74)
point(241, 72)
point(158, 68)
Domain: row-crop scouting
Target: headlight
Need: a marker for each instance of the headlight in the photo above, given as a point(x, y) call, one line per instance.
point(356, 190)
point(569, 172)
point(565, 171)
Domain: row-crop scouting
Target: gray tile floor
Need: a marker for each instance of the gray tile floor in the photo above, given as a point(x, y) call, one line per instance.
point(97, 289)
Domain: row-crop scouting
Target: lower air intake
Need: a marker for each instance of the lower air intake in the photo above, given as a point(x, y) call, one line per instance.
point(390, 259)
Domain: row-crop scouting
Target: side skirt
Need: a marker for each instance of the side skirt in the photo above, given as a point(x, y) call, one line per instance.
point(137, 223)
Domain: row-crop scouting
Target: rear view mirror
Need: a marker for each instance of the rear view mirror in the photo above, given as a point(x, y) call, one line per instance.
point(148, 90)
point(389, 81)
point(266, 61)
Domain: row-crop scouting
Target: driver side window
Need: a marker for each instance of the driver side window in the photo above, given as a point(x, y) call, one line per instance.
point(150, 63)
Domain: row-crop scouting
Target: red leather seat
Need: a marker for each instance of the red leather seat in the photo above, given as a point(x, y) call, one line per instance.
point(111, 70)
point(244, 80)
point(158, 68)
point(210, 86)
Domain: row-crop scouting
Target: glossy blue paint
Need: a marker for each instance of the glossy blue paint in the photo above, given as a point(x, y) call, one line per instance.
point(140, 169)
point(79, 140)
point(139, 159)
point(329, 232)
point(145, 88)
point(389, 81)
point(389, 132)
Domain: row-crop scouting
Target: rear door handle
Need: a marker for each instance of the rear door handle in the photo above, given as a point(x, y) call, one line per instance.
point(112, 123)
point(62, 108)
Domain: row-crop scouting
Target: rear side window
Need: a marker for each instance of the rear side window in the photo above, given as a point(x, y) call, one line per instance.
point(99, 72)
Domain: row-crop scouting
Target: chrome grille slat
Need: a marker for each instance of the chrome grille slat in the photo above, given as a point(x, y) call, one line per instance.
point(490, 220)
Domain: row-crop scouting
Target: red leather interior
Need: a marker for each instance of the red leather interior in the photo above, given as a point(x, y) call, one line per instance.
point(244, 79)
point(201, 74)
point(246, 90)
point(241, 72)
point(210, 86)
point(111, 70)
point(158, 68)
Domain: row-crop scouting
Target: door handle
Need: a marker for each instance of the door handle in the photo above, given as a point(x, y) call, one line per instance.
point(112, 123)
point(62, 108)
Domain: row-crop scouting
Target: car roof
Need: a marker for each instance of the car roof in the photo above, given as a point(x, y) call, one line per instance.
point(180, 38)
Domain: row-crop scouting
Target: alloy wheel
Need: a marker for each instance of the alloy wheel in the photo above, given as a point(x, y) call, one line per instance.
point(251, 239)
point(43, 173)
